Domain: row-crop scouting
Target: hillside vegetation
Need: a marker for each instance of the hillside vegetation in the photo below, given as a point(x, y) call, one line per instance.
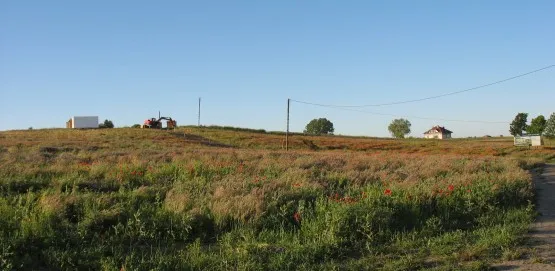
point(215, 199)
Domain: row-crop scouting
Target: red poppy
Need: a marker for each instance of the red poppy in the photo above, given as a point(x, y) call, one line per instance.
point(451, 187)
point(387, 192)
point(297, 217)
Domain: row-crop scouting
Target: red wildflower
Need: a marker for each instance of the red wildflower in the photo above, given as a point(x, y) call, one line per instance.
point(468, 190)
point(451, 187)
point(387, 192)
point(297, 217)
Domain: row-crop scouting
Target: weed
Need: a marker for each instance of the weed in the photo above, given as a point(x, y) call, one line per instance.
point(142, 199)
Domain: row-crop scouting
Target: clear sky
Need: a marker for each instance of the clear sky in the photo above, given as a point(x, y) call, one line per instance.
point(125, 60)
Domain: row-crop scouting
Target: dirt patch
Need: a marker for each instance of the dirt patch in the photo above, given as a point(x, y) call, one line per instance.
point(541, 243)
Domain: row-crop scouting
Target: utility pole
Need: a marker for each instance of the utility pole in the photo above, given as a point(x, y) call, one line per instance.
point(198, 124)
point(287, 131)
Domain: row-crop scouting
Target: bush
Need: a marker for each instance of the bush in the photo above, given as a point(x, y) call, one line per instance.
point(106, 124)
point(321, 126)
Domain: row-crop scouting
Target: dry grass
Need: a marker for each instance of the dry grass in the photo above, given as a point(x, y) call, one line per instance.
point(347, 200)
point(127, 139)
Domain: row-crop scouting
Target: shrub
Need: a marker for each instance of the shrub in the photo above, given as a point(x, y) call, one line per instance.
point(106, 124)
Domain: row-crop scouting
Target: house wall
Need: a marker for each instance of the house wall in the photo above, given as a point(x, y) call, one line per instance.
point(434, 135)
point(437, 136)
point(84, 122)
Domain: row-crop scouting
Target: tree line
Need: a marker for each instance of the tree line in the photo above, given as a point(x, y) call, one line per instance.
point(538, 125)
point(399, 128)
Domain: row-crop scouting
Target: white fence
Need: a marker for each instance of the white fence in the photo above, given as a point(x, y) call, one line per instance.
point(528, 140)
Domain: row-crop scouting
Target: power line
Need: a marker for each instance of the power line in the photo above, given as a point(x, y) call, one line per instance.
point(430, 97)
point(415, 117)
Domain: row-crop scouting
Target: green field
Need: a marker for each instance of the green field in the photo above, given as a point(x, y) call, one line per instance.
point(218, 199)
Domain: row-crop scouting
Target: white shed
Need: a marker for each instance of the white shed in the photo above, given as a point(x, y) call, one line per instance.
point(82, 122)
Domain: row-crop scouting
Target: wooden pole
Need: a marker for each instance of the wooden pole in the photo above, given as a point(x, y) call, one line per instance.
point(198, 124)
point(287, 131)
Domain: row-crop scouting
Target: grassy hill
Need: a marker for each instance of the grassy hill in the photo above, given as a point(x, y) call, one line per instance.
point(259, 139)
point(220, 199)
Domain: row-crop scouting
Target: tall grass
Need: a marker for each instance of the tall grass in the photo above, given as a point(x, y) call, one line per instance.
point(153, 200)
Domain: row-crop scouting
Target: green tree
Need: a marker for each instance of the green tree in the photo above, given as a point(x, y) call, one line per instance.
point(321, 126)
point(399, 128)
point(549, 130)
point(537, 125)
point(136, 126)
point(106, 124)
point(519, 124)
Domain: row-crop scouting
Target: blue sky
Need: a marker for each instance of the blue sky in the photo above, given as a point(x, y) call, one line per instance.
point(125, 60)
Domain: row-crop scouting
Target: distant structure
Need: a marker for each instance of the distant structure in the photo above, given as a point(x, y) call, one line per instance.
point(82, 122)
point(438, 132)
point(528, 140)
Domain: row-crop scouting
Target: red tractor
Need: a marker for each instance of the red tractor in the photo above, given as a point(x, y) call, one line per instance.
point(154, 123)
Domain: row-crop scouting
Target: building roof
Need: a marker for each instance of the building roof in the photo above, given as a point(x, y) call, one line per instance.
point(438, 129)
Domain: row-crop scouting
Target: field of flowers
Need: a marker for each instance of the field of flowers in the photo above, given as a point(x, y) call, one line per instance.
point(143, 200)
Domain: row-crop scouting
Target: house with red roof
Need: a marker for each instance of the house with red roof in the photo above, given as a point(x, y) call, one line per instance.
point(438, 132)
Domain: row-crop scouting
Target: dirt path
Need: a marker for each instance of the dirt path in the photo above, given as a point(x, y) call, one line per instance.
point(542, 235)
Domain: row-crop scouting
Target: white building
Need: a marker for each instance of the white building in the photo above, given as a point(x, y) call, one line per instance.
point(438, 132)
point(82, 122)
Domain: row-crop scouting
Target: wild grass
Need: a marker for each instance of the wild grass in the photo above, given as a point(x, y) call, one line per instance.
point(203, 199)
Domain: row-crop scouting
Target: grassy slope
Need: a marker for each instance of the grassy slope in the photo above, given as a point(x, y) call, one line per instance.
point(211, 198)
point(129, 137)
point(496, 146)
